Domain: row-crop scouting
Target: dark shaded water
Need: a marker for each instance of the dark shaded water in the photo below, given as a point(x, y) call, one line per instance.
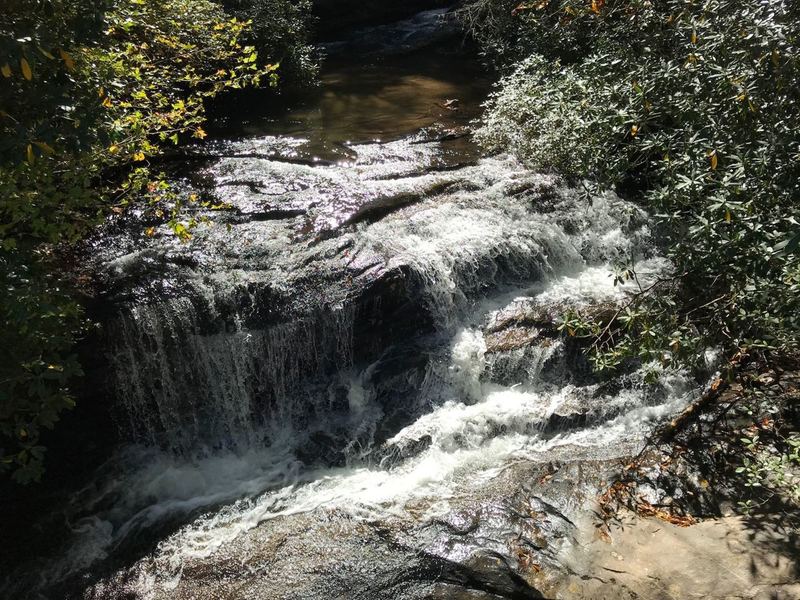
point(374, 98)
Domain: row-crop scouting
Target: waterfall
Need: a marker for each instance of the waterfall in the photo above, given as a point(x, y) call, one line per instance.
point(359, 334)
point(367, 360)
point(213, 366)
point(188, 390)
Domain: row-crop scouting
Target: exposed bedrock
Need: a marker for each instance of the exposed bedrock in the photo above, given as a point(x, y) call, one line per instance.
point(503, 539)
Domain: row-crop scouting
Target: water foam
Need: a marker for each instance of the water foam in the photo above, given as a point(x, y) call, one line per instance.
point(482, 427)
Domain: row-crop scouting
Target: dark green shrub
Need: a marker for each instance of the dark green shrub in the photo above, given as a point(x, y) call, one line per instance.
point(693, 108)
point(89, 93)
point(280, 29)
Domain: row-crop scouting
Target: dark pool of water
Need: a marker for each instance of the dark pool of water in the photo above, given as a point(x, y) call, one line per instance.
point(372, 98)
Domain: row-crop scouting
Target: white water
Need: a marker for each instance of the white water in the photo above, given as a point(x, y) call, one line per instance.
point(430, 480)
point(481, 428)
point(192, 374)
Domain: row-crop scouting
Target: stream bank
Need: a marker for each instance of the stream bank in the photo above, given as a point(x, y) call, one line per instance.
point(732, 531)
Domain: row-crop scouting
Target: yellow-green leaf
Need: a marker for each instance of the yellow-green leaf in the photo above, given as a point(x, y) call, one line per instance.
point(45, 147)
point(6, 70)
point(30, 155)
point(68, 60)
point(26, 69)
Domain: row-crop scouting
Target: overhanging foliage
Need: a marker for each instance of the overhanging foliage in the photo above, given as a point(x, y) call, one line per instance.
point(693, 108)
point(89, 93)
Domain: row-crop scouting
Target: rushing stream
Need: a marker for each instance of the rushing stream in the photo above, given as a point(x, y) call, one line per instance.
point(360, 344)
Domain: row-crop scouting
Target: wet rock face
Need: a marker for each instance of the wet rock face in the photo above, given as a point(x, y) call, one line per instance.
point(526, 314)
point(524, 337)
point(501, 540)
point(349, 561)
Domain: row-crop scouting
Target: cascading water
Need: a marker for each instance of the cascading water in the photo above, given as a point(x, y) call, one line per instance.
point(194, 376)
point(306, 414)
point(373, 336)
